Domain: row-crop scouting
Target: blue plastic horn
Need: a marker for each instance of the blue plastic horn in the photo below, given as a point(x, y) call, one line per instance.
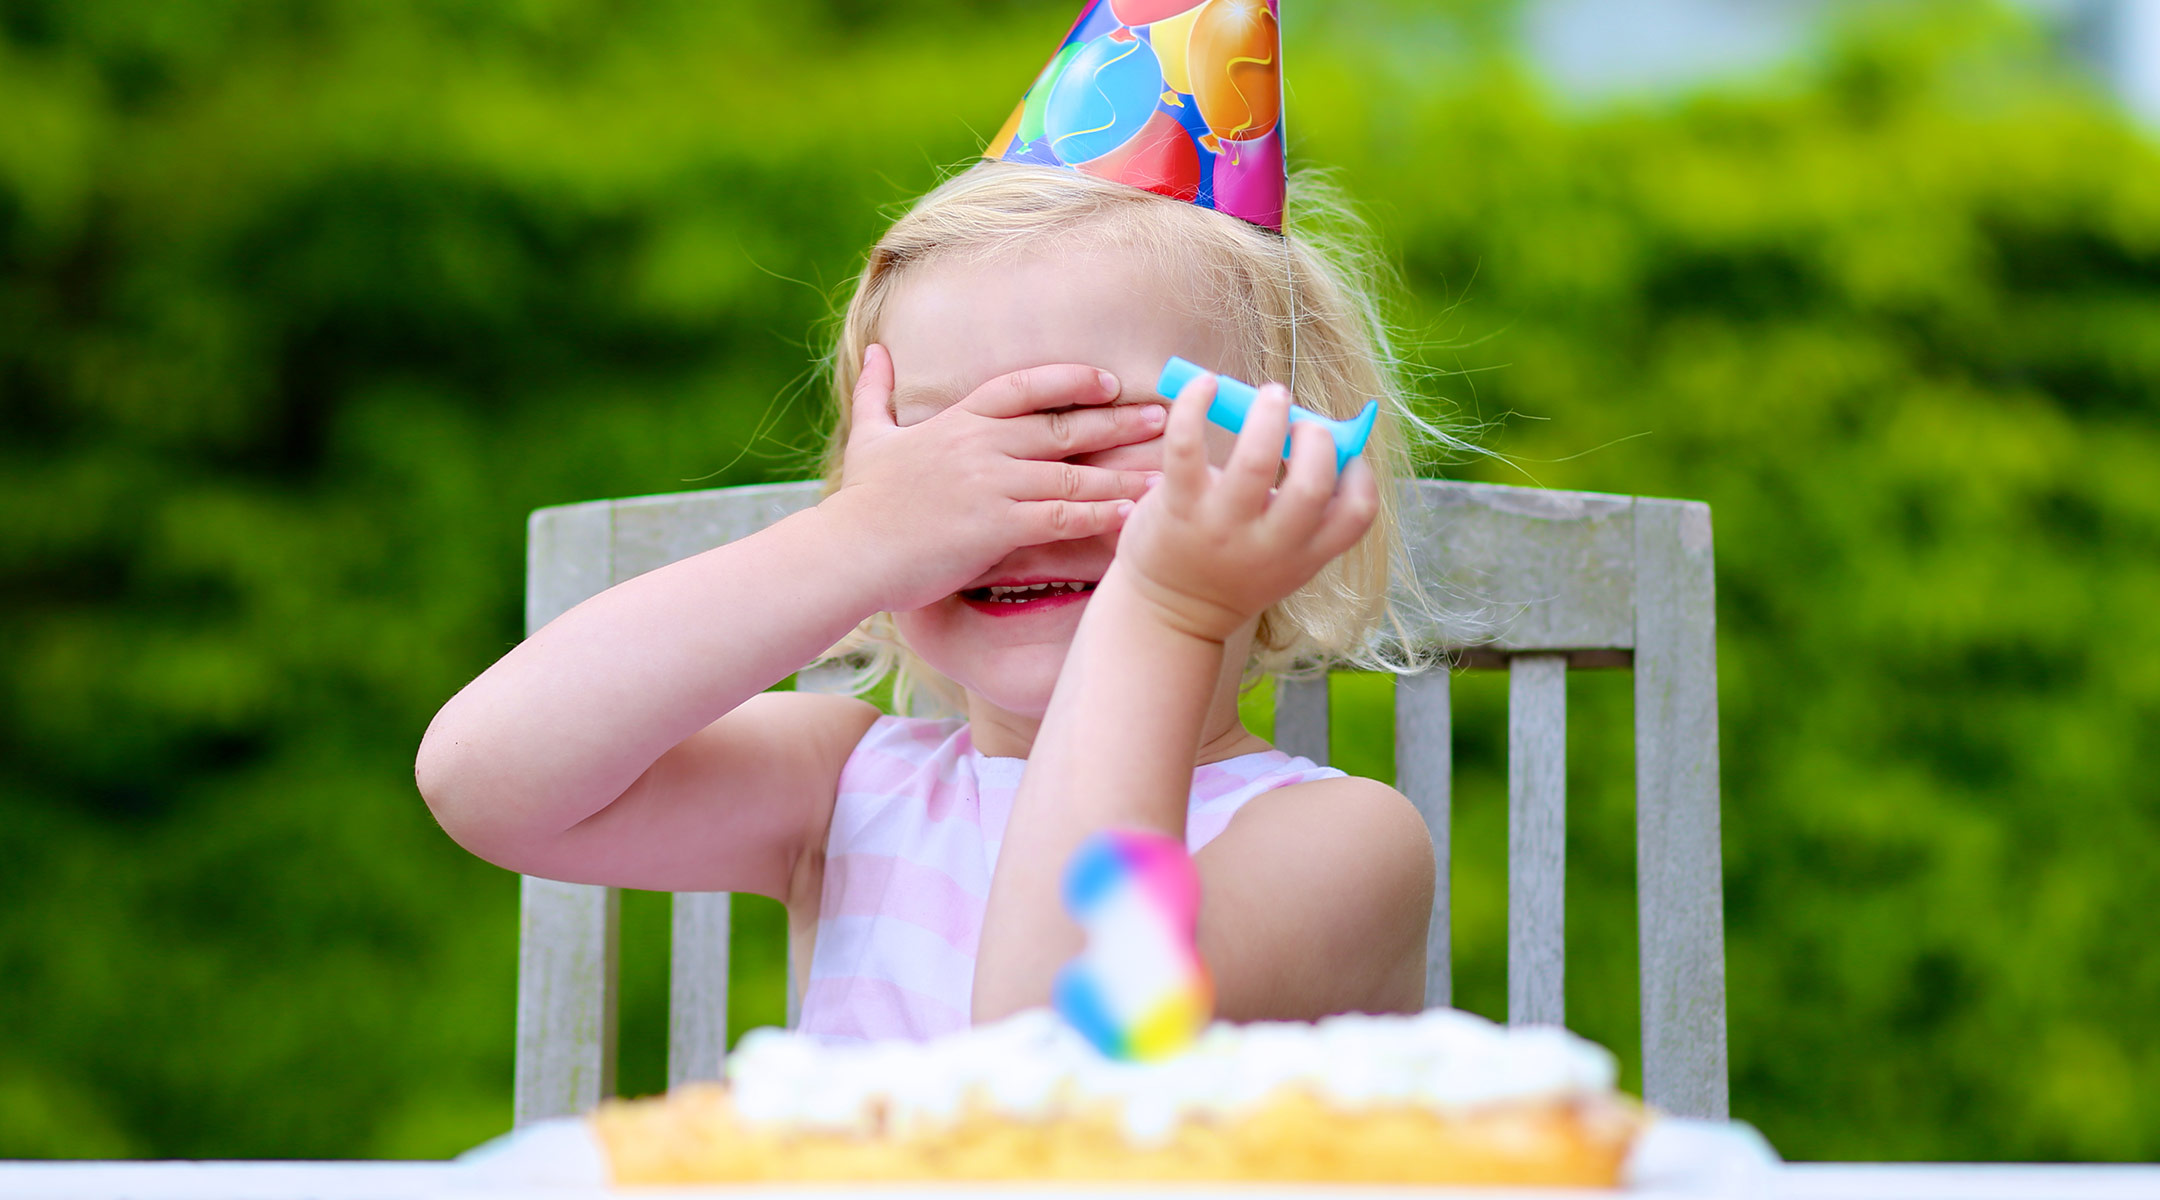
point(1233, 399)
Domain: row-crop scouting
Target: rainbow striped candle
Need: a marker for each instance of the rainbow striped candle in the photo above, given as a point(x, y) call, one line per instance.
point(1138, 990)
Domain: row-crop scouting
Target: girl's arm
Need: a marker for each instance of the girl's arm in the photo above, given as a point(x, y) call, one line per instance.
point(1315, 900)
point(627, 743)
point(615, 745)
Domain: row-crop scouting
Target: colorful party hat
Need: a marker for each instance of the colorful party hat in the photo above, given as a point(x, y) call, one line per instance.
point(1175, 96)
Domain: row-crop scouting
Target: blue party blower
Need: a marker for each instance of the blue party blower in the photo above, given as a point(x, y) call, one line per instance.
point(1233, 399)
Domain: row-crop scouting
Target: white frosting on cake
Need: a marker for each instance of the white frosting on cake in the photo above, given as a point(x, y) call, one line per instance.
point(1032, 1066)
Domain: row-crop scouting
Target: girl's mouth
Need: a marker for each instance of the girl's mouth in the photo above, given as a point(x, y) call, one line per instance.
point(1007, 600)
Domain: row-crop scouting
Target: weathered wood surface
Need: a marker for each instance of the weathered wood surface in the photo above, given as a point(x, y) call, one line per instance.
point(653, 531)
point(1679, 880)
point(1523, 569)
point(697, 986)
point(1537, 839)
point(1424, 772)
point(1540, 570)
point(1301, 717)
point(568, 934)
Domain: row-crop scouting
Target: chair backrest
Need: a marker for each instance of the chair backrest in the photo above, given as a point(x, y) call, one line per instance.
point(1574, 578)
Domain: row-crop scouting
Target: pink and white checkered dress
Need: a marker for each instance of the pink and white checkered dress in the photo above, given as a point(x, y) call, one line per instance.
point(915, 834)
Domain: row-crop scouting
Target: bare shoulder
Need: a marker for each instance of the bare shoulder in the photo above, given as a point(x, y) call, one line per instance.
point(1317, 897)
point(1348, 811)
point(1341, 791)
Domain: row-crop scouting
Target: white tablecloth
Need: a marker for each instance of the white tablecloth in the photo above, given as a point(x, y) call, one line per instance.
point(463, 1181)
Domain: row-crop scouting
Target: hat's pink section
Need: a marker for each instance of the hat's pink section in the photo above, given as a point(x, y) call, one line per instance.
point(1249, 179)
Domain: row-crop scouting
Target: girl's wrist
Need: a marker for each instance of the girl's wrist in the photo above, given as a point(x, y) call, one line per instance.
point(842, 545)
point(1128, 711)
point(1173, 611)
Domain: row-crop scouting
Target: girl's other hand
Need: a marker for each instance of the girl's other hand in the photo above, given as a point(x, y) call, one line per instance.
point(1212, 547)
point(941, 500)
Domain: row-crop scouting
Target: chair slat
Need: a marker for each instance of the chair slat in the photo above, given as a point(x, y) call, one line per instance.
point(1537, 838)
point(697, 987)
point(1534, 570)
point(1679, 884)
point(567, 939)
point(653, 531)
point(568, 933)
point(1301, 717)
point(1424, 771)
point(567, 560)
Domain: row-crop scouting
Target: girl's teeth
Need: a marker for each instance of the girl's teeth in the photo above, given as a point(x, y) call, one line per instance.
point(1017, 593)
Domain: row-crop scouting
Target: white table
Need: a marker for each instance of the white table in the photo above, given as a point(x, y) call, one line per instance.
point(1963, 1181)
point(430, 1180)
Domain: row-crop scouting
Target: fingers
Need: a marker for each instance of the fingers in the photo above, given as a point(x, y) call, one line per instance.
point(871, 406)
point(1041, 521)
point(1301, 500)
point(1185, 461)
point(1350, 513)
point(1059, 385)
point(1256, 460)
point(1071, 481)
point(1054, 435)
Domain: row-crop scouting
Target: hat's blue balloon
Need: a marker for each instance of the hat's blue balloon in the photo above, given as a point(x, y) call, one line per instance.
point(1104, 97)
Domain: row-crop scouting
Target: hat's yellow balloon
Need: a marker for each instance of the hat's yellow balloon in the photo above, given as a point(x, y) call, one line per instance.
point(1171, 37)
point(1234, 57)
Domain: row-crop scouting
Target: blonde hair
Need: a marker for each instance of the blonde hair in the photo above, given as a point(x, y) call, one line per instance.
point(1301, 306)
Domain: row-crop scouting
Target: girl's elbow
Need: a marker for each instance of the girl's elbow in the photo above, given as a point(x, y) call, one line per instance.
point(488, 814)
point(443, 772)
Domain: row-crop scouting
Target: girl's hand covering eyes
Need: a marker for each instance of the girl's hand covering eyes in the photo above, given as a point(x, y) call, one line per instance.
point(1213, 547)
point(942, 500)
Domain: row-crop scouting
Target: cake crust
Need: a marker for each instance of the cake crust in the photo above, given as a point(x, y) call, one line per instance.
point(694, 1135)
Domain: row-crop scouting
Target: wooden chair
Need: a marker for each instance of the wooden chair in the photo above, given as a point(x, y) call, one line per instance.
point(1575, 578)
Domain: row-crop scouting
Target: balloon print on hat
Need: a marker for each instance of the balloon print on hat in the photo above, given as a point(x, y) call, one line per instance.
point(1236, 72)
point(1160, 158)
point(1249, 178)
point(1026, 122)
point(1103, 98)
point(1038, 97)
point(1178, 97)
point(1170, 35)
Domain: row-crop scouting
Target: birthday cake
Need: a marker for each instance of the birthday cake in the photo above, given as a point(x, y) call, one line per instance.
point(1441, 1097)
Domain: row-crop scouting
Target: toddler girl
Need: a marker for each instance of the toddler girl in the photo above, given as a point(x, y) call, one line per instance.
point(1021, 528)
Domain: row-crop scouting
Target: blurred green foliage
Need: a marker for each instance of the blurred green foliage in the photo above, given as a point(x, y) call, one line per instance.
point(305, 303)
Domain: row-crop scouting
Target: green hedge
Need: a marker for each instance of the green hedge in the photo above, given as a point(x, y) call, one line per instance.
point(304, 305)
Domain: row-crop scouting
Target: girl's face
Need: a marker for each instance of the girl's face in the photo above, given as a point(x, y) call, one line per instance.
point(952, 327)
